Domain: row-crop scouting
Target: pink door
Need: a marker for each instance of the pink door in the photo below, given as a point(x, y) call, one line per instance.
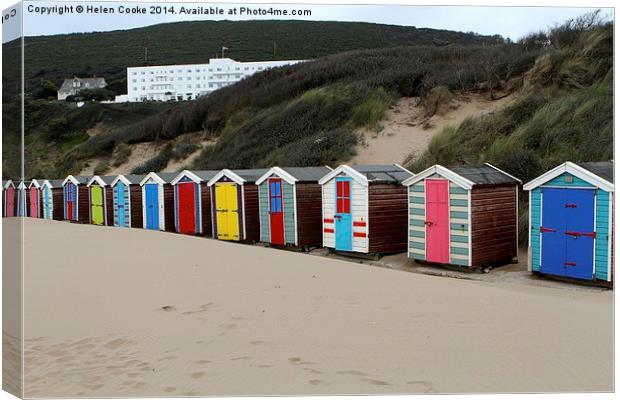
point(10, 202)
point(437, 221)
point(34, 202)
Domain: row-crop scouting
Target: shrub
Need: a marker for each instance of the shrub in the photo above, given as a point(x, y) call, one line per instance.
point(121, 154)
point(184, 149)
point(101, 168)
point(157, 163)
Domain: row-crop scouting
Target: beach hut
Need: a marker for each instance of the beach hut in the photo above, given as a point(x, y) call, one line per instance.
point(34, 199)
point(22, 199)
point(100, 200)
point(234, 204)
point(571, 222)
point(192, 202)
point(9, 197)
point(463, 215)
point(75, 199)
point(290, 206)
point(365, 209)
point(158, 201)
point(52, 199)
point(127, 201)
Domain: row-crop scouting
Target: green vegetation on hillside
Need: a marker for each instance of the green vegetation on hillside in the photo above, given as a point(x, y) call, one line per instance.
point(108, 54)
point(564, 113)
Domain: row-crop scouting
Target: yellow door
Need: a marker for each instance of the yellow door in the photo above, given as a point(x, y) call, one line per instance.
point(227, 211)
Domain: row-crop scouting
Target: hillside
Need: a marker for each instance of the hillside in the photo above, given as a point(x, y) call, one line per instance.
point(108, 54)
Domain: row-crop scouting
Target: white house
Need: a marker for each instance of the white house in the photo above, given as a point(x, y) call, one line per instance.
point(188, 82)
point(71, 87)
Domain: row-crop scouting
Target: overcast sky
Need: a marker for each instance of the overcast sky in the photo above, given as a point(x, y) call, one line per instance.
point(513, 22)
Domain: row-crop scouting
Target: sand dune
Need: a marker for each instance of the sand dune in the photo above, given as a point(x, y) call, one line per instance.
point(127, 312)
point(407, 133)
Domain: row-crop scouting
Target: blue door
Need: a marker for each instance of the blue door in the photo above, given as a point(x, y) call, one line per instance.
point(579, 233)
point(119, 199)
point(152, 206)
point(567, 233)
point(343, 220)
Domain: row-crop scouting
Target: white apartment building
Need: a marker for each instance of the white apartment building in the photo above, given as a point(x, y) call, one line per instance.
point(188, 82)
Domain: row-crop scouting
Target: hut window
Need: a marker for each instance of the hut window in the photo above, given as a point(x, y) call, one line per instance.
point(568, 179)
point(275, 196)
point(343, 200)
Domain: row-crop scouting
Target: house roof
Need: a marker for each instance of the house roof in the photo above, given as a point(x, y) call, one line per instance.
point(36, 183)
point(599, 174)
point(93, 83)
point(296, 174)
point(468, 176)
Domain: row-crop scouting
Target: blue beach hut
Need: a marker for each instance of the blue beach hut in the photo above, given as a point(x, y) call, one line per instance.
point(570, 222)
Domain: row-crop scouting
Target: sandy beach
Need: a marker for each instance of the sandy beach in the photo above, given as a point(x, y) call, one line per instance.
point(129, 312)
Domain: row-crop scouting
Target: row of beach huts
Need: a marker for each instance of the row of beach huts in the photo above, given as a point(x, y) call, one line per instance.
point(460, 215)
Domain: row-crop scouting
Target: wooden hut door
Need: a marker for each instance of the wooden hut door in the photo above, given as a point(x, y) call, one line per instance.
point(276, 215)
point(119, 200)
point(227, 211)
point(437, 221)
point(71, 200)
point(34, 202)
point(186, 208)
point(567, 233)
point(10, 202)
point(151, 201)
point(47, 203)
point(96, 202)
point(343, 222)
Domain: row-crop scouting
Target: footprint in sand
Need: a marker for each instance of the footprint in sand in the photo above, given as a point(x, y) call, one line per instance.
point(202, 361)
point(198, 375)
point(167, 358)
point(351, 372)
point(259, 342)
point(117, 343)
point(228, 326)
point(317, 382)
point(376, 382)
point(241, 358)
point(425, 386)
point(169, 389)
point(313, 371)
point(260, 365)
point(295, 360)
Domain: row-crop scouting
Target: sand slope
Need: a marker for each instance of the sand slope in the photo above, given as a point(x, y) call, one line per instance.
point(126, 312)
point(407, 133)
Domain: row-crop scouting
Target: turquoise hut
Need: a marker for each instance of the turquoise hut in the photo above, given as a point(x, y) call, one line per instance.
point(570, 221)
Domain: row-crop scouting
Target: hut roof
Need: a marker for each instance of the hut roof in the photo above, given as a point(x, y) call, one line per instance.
point(130, 179)
point(383, 173)
point(196, 176)
point(599, 174)
point(468, 176)
point(604, 169)
point(296, 174)
point(365, 174)
point(239, 176)
point(53, 183)
point(485, 174)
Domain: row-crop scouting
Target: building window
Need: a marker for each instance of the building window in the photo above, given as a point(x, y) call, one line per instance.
point(189, 86)
point(135, 80)
point(135, 89)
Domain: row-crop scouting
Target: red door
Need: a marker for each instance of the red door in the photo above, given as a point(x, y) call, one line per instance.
point(187, 220)
point(437, 221)
point(276, 215)
point(70, 210)
point(10, 202)
point(34, 202)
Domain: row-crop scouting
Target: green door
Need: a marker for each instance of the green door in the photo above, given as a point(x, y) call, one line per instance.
point(96, 202)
